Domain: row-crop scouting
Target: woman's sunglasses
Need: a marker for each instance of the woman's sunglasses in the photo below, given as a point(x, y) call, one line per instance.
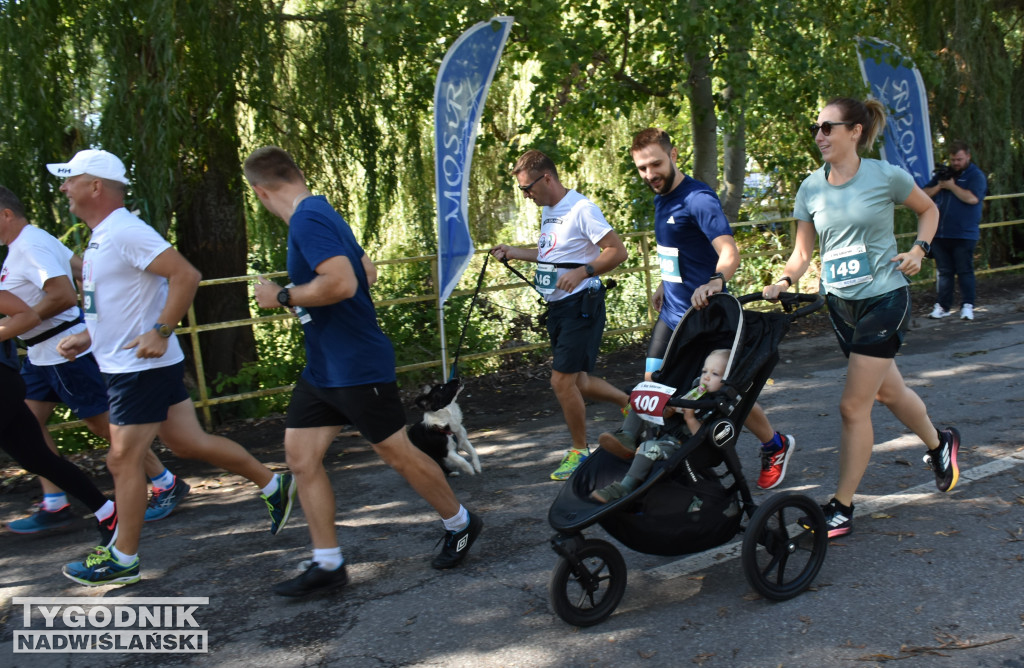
point(826, 127)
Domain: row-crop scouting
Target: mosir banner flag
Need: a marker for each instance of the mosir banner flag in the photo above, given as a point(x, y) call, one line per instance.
point(459, 96)
point(896, 82)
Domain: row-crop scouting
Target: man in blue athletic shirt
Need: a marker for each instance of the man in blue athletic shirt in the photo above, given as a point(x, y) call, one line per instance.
point(349, 376)
point(698, 254)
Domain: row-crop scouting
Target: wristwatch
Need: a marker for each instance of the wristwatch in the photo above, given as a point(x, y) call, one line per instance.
point(163, 330)
point(925, 246)
point(284, 297)
point(719, 275)
point(589, 268)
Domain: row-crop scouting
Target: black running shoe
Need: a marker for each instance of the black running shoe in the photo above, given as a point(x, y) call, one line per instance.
point(942, 460)
point(457, 544)
point(108, 529)
point(838, 519)
point(312, 581)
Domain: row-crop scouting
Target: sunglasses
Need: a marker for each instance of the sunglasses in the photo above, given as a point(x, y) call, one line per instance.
point(526, 189)
point(826, 127)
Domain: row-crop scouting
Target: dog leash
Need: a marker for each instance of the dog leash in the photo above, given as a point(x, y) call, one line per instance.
point(465, 325)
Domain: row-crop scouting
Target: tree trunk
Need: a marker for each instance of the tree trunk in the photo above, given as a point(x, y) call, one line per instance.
point(212, 235)
point(704, 124)
point(734, 147)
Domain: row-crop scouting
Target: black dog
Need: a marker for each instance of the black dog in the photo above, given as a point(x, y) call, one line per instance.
point(440, 434)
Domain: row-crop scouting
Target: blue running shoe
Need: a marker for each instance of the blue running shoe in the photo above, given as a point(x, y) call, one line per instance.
point(100, 568)
point(163, 501)
point(42, 520)
point(280, 502)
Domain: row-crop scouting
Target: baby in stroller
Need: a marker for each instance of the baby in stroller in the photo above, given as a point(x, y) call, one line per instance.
point(667, 444)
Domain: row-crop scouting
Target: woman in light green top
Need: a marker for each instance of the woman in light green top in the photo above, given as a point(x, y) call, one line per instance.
point(849, 204)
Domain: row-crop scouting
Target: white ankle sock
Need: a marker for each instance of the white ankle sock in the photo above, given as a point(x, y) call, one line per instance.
point(329, 559)
point(458, 521)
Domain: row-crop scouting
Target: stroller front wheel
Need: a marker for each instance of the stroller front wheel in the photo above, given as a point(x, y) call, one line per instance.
point(587, 585)
point(780, 556)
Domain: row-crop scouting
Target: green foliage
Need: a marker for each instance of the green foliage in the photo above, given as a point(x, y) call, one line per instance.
point(185, 90)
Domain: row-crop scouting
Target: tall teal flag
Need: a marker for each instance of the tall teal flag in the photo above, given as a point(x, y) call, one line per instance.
point(459, 96)
point(896, 82)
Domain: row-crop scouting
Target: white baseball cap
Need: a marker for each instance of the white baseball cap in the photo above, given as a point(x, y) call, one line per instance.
point(100, 164)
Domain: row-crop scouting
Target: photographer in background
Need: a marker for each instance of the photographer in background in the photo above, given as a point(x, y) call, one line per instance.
point(958, 190)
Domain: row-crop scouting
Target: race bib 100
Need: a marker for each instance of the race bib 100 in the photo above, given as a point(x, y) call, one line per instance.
point(649, 400)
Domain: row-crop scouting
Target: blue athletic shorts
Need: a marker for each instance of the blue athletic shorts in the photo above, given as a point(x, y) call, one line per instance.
point(375, 410)
point(575, 325)
point(874, 326)
point(143, 397)
point(78, 384)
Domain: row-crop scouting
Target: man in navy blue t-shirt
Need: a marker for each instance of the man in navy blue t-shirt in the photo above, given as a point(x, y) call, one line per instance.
point(349, 376)
point(959, 198)
point(697, 254)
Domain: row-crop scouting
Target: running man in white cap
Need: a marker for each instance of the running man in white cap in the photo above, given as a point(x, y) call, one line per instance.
point(135, 289)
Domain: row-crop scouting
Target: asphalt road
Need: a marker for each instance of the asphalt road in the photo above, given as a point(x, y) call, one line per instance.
point(928, 579)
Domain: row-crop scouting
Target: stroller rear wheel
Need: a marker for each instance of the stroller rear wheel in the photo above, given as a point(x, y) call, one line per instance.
point(780, 557)
point(587, 585)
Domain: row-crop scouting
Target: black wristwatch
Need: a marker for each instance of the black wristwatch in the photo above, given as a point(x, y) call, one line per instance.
point(589, 268)
point(925, 246)
point(284, 297)
point(163, 330)
point(720, 275)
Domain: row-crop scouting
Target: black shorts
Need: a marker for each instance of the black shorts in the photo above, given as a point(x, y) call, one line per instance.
point(375, 410)
point(143, 397)
point(874, 326)
point(575, 325)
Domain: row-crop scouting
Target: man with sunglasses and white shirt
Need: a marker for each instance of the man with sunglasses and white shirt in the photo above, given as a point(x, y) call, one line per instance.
point(576, 244)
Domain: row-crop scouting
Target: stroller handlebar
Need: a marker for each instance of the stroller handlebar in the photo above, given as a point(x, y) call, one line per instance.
point(789, 300)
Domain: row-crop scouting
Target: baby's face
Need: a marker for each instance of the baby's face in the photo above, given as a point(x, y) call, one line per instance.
point(711, 374)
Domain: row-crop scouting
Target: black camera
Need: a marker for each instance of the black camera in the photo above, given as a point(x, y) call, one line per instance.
point(944, 173)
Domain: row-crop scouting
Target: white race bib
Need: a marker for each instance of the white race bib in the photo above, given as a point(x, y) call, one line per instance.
point(843, 267)
point(649, 399)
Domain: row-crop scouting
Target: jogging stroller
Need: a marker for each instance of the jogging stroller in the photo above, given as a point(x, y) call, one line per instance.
point(697, 498)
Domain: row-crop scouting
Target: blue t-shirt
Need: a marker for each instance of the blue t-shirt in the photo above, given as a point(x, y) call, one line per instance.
point(855, 224)
point(958, 219)
point(9, 354)
point(345, 345)
point(685, 222)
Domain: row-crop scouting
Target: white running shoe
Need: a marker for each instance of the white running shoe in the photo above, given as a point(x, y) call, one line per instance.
point(967, 312)
point(939, 312)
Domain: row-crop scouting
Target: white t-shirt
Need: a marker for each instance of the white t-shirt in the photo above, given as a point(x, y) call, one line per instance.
point(32, 259)
point(569, 232)
point(120, 298)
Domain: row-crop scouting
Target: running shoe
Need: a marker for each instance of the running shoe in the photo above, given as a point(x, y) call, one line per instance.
point(942, 460)
point(163, 501)
point(108, 529)
point(100, 568)
point(573, 458)
point(838, 519)
point(774, 464)
point(312, 581)
point(280, 502)
point(622, 444)
point(939, 312)
point(457, 544)
point(967, 312)
point(43, 520)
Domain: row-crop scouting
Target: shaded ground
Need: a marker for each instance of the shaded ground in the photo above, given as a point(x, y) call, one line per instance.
point(491, 401)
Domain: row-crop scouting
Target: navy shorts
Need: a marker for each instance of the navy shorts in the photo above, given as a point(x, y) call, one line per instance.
point(143, 397)
point(874, 326)
point(375, 410)
point(575, 325)
point(79, 384)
